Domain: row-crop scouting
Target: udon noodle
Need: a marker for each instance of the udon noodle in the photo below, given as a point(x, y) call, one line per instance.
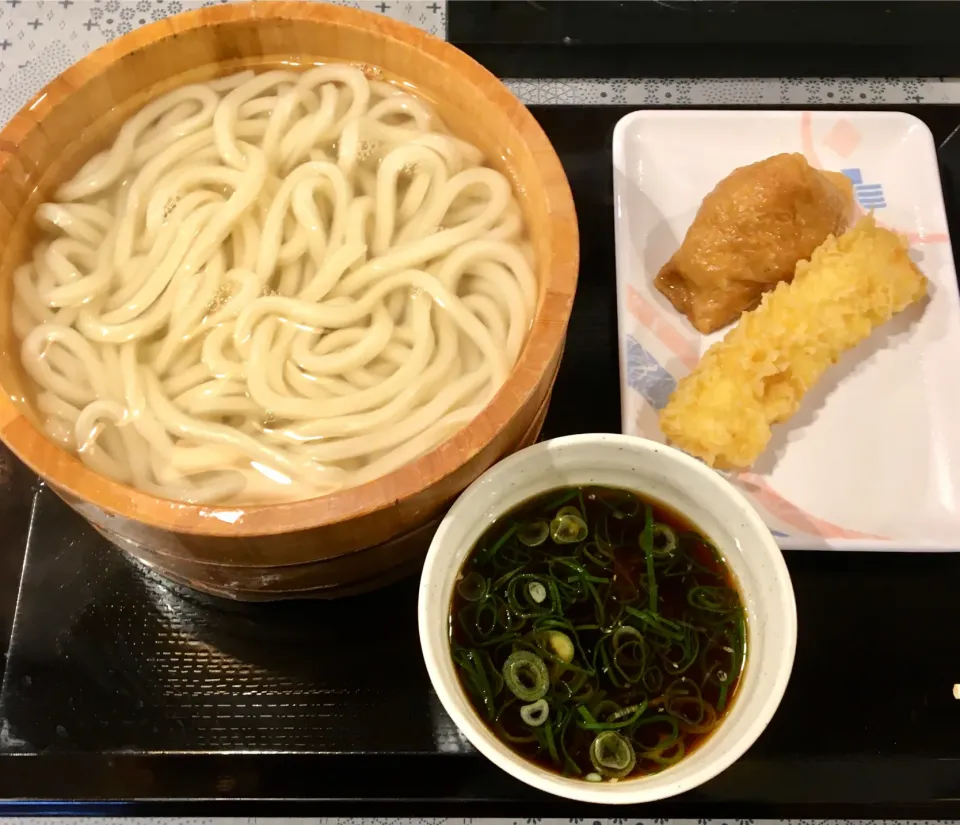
point(273, 286)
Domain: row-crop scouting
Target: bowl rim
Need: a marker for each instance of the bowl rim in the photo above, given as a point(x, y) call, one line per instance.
point(476, 731)
point(70, 476)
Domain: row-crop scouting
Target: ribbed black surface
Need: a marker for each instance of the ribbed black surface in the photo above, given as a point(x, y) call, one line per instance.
point(108, 657)
point(708, 38)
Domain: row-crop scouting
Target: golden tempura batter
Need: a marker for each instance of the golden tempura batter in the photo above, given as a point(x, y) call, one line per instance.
point(758, 374)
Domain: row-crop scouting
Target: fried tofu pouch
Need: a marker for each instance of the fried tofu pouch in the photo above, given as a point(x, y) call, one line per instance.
point(758, 374)
point(748, 235)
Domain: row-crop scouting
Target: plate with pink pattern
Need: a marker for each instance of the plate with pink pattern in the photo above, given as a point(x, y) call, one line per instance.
point(871, 461)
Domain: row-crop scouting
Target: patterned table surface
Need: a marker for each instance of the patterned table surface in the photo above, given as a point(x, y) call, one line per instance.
point(98, 820)
point(41, 38)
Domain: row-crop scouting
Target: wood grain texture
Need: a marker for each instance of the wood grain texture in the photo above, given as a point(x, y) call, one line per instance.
point(324, 577)
point(345, 574)
point(81, 110)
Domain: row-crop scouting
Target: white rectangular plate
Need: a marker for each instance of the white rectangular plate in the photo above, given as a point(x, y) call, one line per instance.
point(871, 461)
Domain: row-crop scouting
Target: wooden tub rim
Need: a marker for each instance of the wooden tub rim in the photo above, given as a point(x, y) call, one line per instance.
point(545, 339)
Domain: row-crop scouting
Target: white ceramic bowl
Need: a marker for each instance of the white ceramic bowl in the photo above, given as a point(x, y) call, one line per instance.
point(687, 486)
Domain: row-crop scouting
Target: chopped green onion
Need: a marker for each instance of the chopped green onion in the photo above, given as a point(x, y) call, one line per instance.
point(591, 633)
point(629, 653)
point(533, 534)
point(689, 648)
point(561, 499)
point(526, 676)
point(490, 552)
point(545, 738)
point(474, 667)
point(713, 599)
point(568, 529)
point(664, 540)
point(646, 543)
point(615, 721)
point(626, 633)
point(612, 755)
point(649, 725)
point(660, 625)
point(472, 587)
point(592, 552)
point(524, 738)
point(707, 722)
point(536, 713)
point(522, 592)
point(633, 710)
point(570, 766)
point(627, 508)
point(653, 679)
point(560, 645)
point(537, 592)
point(660, 756)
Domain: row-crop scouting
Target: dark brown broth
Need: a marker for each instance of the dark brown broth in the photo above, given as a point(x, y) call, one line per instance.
point(615, 676)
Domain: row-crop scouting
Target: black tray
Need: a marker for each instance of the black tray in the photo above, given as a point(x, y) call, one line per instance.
point(121, 688)
point(709, 38)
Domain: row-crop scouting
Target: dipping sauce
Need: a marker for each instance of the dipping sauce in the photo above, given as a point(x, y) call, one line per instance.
point(598, 633)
